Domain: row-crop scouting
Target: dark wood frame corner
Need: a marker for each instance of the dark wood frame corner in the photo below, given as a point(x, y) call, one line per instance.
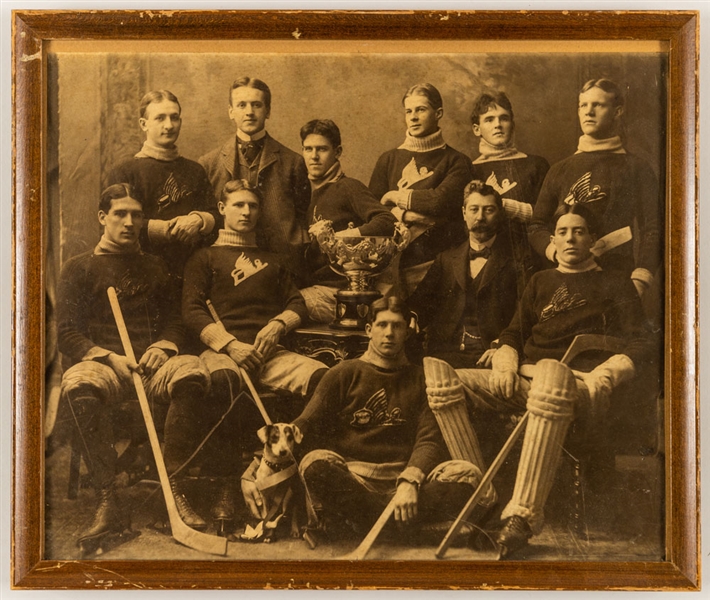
point(31, 32)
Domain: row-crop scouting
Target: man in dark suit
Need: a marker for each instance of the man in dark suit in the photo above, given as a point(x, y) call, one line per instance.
point(277, 172)
point(470, 293)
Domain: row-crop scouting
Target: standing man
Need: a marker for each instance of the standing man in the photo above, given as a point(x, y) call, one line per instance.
point(98, 377)
point(516, 176)
point(470, 293)
point(374, 437)
point(558, 304)
point(277, 172)
point(178, 207)
point(621, 190)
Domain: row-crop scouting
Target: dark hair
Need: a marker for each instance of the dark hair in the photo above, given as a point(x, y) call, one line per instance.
point(324, 127)
point(478, 187)
point(116, 192)
point(608, 86)
point(427, 90)
point(252, 82)
point(239, 185)
point(157, 96)
point(485, 102)
point(392, 303)
point(577, 209)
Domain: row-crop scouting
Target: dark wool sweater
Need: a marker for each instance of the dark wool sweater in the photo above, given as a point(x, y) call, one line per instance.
point(621, 188)
point(439, 196)
point(148, 300)
point(556, 307)
point(169, 189)
point(519, 179)
point(247, 286)
point(343, 202)
point(366, 413)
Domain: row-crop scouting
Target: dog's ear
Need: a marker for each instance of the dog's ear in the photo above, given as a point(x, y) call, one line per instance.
point(263, 433)
point(297, 435)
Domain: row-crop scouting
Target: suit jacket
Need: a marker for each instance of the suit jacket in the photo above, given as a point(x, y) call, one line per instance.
point(286, 192)
point(440, 299)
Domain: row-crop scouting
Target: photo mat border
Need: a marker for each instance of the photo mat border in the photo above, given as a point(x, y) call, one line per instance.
point(31, 32)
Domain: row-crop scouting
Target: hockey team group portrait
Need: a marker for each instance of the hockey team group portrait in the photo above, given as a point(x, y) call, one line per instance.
point(355, 305)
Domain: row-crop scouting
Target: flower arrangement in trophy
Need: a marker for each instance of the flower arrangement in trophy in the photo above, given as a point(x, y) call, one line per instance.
point(359, 259)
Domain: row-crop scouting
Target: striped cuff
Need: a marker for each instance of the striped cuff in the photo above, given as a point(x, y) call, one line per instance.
point(216, 336)
point(208, 221)
point(158, 230)
point(643, 276)
point(289, 318)
point(522, 211)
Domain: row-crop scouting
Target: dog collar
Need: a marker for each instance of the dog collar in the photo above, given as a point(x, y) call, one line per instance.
point(276, 467)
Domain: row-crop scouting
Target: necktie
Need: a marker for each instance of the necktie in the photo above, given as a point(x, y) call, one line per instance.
point(250, 150)
point(474, 254)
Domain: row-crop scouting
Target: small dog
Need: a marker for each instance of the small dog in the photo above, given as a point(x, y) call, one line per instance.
point(275, 479)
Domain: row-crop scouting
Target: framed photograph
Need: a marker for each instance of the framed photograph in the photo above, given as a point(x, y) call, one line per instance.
point(516, 101)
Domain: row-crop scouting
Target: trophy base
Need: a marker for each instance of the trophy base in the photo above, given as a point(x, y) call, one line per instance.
point(353, 308)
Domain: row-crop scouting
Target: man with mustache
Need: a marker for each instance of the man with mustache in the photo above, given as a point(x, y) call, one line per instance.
point(469, 295)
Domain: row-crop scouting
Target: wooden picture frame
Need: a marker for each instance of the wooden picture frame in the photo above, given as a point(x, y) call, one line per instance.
point(33, 30)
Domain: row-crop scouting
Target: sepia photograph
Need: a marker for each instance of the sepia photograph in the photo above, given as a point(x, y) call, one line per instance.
point(359, 301)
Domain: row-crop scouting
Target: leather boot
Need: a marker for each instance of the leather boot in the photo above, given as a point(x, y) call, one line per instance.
point(513, 537)
point(223, 510)
point(108, 519)
point(187, 513)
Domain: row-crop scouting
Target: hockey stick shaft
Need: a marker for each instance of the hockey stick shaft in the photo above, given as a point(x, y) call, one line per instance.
point(485, 481)
point(181, 532)
point(361, 551)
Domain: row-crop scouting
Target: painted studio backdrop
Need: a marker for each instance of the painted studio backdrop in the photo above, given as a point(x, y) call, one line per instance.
point(93, 109)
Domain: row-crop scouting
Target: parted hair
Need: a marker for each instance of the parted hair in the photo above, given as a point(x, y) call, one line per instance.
point(486, 101)
point(577, 209)
point(325, 127)
point(478, 187)
point(393, 303)
point(255, 83)
point(428, 91)
point(607, 85)
point(239, 185)
point(157, 96)
point(116, 192)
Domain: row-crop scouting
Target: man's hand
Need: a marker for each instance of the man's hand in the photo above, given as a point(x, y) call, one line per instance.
point(600, 388)
point(152, 360)
point(122, 366)
point(487, 358)
point(504, 384)
point(348, 233)
point(186, 229)
point(253, 499)
point(245, 355)
point(405, 502)
point(269, 336)
point(390, 198)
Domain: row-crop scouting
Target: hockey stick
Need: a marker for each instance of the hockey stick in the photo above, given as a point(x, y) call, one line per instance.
point(483, 485)
point(364, 547)
point(181, 532)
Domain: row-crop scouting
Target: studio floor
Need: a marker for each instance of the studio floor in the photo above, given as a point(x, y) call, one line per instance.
point(624, 525)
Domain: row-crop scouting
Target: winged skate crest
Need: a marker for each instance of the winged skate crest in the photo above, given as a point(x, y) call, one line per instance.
point(560, 302)
point(503, 187)
point(411, 175)
point(375, 413)
point(582, 190)
point(245, 268)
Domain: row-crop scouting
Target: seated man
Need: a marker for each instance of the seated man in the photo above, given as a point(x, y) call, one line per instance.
point(99, 377)
point(470, 293)
point(575, 298)
point(376, 438)
point(256, 302)
point(344, 201)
